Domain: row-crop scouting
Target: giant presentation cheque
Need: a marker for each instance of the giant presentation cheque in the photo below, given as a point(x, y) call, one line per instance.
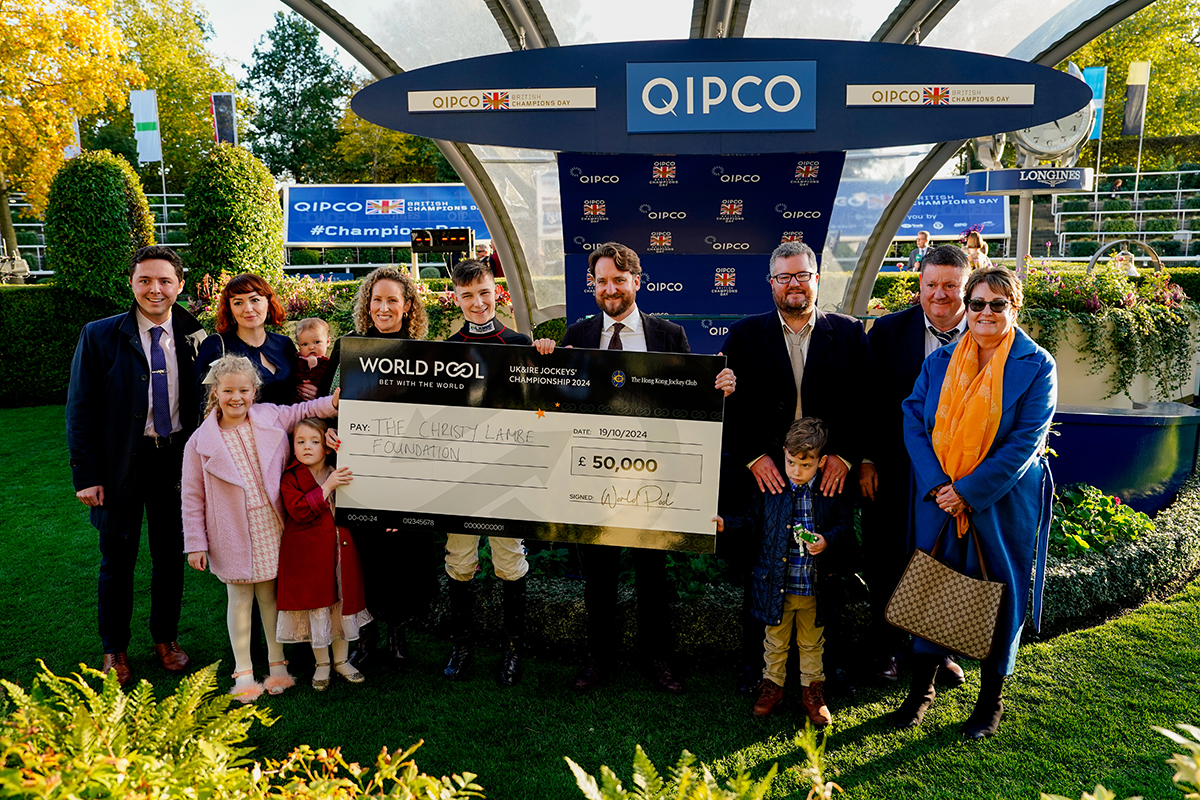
point(595, 446)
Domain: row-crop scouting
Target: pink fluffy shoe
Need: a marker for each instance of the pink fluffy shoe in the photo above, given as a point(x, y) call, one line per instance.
point(277, 684)
point(245, 688)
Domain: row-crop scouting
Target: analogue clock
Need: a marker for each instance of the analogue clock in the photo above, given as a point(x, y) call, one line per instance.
point(1058, 137)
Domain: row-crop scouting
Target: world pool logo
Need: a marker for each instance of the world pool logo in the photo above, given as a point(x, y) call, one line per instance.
point(618, 379)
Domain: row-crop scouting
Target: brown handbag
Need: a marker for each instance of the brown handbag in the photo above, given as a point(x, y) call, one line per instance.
point(944, 606)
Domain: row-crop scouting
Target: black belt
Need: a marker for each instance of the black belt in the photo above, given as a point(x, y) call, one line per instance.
point(161, 442)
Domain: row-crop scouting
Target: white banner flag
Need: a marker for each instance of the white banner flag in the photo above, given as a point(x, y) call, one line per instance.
point(144, 106)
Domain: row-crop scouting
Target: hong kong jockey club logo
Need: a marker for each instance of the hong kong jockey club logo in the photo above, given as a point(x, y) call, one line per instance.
point(731, 211)
point(725, 281)
point(593, 211)
point(660, 241)
point(385, 206)
point(663, 173)
point(493, 101)
point(936, 95)
point(807, 173)
point(618, 379)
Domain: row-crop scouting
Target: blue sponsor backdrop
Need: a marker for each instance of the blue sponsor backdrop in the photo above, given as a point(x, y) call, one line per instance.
point(946, 210)
point(703, 226)
point(376, 214)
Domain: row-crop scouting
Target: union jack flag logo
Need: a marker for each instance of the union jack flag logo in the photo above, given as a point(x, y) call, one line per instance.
point(594, 209)
point(936, 95)
point(731, 208)
point(662, 173)
point(807, 171)
point(495, 100)
point(591, 284)
point(385, 206)
point(792, 237)
point(725, 279)
point(660, 240)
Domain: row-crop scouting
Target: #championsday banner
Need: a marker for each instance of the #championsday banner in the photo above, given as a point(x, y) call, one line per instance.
point(703, 226)
point(328, 215)
point(598, 447)
point(946, 210)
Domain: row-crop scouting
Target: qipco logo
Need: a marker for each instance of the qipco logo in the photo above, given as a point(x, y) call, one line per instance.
point(662, 95)
point(585, 245)
point(652, 214)
point(725, 178)
point(457, 369)
point(576, 172)
point(783, 211)
point(712, 241)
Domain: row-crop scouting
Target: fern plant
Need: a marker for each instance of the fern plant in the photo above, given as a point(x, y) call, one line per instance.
point(685, 782)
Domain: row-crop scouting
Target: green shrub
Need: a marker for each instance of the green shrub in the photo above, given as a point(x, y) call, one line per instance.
point(1119, 225)
point(1085, 519)
point(1161, 224)
point(1080, 225)
point(234, 218)
point(341, 255)
point(430, 273)
point(1167, 247)
point(96, 217)
point(305, 258)
point(39, 328)
point(1188, 278)
point(1192, 202)
point(1159, 204)
point(1117, 205)
point(176, 236)
point(176, 215)
point(1075, 205)
point(27, 239)
point(1082, 248)
point(375, 255)
point(551, 329)
point(683, 783)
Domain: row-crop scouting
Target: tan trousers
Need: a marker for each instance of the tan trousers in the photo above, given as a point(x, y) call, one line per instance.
point(462, 554)
point(800, 613)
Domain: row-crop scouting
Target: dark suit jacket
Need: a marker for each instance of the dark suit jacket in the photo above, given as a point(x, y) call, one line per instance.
point(914, 258)
point(662, 336)
point(898, 348)
point(836, 373)
point(107, 404)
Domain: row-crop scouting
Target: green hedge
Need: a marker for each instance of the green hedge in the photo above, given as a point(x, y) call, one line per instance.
point(1117, 205)
point(39, 327)
point(341, 255)
point(375, 255)
point(1192, 202)
point(884, 282)
point(1159, 204)
point(1076, 205)
point(305, 258)
point(551, 329)
point(27, 239)
point(1082, 247)
point(1119, 225)
point(1080, 225)
point(1167, 247)
point(1161, 224)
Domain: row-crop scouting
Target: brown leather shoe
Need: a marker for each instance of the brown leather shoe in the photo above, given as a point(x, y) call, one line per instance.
point(665, 677)
point(172, 656)
point(950, 675)
point(120, 663)
point(588, 678)
point(888, 670)
point(770, 694)
point(813, 697)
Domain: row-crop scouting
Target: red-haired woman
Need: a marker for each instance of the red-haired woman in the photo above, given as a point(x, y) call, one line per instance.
point(246, 306)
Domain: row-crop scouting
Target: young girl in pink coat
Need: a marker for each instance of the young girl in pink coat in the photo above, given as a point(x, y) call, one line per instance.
point(232, 508)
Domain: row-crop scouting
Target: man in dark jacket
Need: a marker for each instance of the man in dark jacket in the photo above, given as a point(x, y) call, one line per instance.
point(131, 407)
point(900, 343)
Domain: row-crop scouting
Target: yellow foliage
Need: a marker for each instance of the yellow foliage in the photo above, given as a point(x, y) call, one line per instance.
point(59, 61)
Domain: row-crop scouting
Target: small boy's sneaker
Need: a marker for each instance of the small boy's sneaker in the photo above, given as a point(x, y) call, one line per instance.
point(814, 703)
point(770, 694)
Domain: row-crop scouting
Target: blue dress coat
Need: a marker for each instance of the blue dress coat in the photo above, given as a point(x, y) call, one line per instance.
point(1011, 491)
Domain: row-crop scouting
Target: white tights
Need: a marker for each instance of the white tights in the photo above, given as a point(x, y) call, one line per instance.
point(341, 650)
point(241, 606)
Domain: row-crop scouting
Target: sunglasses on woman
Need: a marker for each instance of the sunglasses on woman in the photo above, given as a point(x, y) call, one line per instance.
point(997, 305)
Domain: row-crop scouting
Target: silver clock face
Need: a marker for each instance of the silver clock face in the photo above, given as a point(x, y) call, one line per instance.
point(1059, 136)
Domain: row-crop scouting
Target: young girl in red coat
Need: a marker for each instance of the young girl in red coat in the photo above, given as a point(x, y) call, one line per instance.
point(321, 597)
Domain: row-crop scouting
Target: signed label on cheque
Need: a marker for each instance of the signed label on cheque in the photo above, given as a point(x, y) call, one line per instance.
point(590, 446)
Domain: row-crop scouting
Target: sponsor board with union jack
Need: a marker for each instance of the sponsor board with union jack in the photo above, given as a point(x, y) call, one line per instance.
point(385, 206)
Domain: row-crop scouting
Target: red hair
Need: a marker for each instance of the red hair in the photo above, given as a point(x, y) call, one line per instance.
point(246, 284)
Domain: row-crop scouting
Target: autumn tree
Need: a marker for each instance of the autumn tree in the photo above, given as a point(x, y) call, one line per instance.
point(58, 62)
point(301, 91)
point(371, 153)
point(169, 41)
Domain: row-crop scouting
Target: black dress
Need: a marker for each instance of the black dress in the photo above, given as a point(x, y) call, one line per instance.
point(279, 387)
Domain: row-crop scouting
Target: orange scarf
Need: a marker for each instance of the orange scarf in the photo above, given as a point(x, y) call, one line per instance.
point(969, 409)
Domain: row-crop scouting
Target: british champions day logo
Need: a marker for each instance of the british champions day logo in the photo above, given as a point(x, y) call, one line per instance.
point(593, 211)
point(731, 211)
point(660, 242)
point(385, 206)
point(672, 97)
point(953, 94)
point(806, 173)
point(724, 283)
point(663, 174)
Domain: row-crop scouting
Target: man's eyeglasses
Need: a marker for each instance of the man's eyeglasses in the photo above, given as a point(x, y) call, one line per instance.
point(998, 305)
point(784, 278)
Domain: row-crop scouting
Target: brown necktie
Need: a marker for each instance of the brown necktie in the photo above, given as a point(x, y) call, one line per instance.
point(615, 342)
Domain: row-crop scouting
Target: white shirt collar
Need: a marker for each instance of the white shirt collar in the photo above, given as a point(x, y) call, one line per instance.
point(812, 318)
point(632, 321)
point(144, 323)
point(960, 327)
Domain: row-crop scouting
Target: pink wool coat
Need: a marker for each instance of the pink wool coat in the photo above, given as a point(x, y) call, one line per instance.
point(214, 496)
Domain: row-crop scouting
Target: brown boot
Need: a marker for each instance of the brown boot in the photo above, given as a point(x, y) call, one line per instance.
point(920, 691)
point(770, 694)
point(118, 662)
point(813, 697)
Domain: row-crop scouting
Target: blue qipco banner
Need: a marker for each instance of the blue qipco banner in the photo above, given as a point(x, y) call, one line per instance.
point(375, 214)
point(703, 226)
point(946, 210)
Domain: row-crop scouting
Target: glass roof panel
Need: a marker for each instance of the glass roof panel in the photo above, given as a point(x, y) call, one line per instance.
point(579, 22)
point(1016, 28)
point(854, 20)
point(415, 32)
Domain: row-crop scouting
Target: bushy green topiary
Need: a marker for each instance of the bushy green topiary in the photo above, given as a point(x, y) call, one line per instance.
point(305, 258)
point(1159, 204)
point(1075, 205)
point(1162, 224)
point(1082, 247)
point(1119, 225)
point(96, 217)
point(234, 217)
point(1117, 205)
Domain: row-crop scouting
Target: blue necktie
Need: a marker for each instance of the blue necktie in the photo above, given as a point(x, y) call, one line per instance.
point(158, 384)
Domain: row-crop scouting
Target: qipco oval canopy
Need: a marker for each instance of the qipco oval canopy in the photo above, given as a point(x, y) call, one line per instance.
point(727, 96)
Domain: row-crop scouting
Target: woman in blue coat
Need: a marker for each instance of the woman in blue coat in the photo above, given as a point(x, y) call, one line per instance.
point(976, 426)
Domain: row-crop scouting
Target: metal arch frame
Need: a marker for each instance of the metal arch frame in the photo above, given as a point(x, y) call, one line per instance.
point(912, 18)
point(862, 282)
point(727, 15)
point(513, 16)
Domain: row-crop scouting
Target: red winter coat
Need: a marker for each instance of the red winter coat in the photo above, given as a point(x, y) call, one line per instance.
point(307, 556)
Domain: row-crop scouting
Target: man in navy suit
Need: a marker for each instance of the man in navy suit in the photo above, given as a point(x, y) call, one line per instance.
point(617, 273)
point(900, 343)
point(919, 252)
point(131, 406)
point(793, 361)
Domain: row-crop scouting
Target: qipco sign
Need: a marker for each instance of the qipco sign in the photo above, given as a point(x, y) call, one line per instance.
point(722, 96)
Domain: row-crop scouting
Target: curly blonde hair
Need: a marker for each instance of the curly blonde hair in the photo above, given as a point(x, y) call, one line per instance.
point(415, 323)
point(224, 367)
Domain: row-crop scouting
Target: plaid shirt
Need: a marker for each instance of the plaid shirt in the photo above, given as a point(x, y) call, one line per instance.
point(801, 569)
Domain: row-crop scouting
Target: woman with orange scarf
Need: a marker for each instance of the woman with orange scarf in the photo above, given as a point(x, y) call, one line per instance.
point(976, 426)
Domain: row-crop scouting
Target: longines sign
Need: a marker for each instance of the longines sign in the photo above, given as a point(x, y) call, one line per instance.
point(721, 96)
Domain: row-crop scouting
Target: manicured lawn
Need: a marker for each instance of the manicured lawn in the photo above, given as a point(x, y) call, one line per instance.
point(1080, 705)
